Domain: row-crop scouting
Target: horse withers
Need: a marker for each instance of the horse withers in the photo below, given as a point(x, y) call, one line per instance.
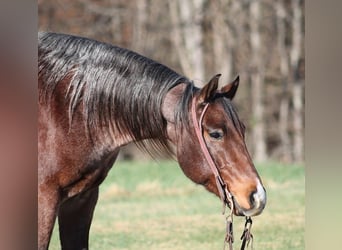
point(95, 98)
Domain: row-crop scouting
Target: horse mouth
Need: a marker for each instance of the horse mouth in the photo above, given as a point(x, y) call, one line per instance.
point(239, 211)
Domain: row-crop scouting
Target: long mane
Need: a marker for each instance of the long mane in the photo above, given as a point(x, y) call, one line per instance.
point(118, 89)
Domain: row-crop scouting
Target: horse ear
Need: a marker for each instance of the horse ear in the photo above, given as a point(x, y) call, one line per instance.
point(230, 89)
point(208, 91)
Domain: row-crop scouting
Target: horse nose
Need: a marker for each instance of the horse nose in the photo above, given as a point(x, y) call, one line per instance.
point(257, 200)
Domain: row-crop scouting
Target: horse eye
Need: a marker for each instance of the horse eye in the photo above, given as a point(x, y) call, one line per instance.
point(216, 135)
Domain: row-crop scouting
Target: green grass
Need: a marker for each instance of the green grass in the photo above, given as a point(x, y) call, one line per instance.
point(152, 205)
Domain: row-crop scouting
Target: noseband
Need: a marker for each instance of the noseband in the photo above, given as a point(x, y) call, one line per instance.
point(225, 195)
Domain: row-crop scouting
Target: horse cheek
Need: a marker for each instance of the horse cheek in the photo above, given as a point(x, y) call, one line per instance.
point(190, 161)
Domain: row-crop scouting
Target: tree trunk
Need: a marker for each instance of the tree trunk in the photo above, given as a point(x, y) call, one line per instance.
point(139, 25)
point(257, 84)
point(187, 17)
point(177, 37)
point(297, 88)
point(285, 152)
point(223, 43)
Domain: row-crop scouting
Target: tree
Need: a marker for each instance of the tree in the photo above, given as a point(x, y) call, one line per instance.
point(297, 87)
point(285, 152)
point(257, 83)
point(187, 18)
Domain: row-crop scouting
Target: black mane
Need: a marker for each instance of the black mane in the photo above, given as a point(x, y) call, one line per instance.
point(118, 88)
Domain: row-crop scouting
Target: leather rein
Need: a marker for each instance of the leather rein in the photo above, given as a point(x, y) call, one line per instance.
point(225, 195)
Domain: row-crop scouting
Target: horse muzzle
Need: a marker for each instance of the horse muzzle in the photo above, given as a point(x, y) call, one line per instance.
point(257, 202)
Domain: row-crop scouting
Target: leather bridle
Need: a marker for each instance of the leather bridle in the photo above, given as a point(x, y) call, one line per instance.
point(225, 195)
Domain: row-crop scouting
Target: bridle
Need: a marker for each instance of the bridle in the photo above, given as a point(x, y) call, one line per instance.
point(225, 195)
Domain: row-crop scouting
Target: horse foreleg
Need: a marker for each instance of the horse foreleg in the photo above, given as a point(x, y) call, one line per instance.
point(74, 218)
point(47, 207)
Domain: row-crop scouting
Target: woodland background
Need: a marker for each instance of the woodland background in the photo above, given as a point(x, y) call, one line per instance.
point(262, 41)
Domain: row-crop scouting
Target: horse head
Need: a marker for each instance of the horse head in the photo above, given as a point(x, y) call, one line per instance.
point(223, 136)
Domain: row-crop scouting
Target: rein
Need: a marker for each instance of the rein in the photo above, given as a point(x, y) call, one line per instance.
point(224, 193)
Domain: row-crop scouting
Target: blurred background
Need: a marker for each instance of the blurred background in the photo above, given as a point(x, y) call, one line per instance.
point(262, 41)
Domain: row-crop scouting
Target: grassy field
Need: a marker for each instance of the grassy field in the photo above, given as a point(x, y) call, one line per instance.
point(152, 205)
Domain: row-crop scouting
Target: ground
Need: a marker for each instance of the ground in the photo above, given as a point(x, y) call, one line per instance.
point(152, 205)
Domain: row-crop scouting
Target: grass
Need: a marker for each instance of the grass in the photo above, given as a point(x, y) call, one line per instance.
point(152, 205)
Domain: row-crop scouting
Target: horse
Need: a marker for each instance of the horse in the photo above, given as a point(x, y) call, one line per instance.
point(95, 98)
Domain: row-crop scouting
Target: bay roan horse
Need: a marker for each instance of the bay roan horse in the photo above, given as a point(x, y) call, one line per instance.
point(95, 98)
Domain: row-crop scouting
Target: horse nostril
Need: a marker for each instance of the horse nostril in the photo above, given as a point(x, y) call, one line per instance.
point(252, 199)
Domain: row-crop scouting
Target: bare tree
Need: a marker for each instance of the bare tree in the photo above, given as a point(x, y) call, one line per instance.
point(187, 17)
point(297, 88)
point(257, 83)
point(285, 152)
point(223, 40)
point(140, 23)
